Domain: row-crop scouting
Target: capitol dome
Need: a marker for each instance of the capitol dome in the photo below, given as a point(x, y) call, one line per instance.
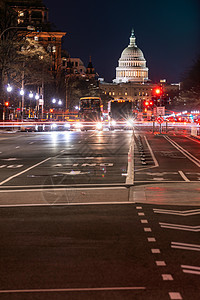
point(132, 64)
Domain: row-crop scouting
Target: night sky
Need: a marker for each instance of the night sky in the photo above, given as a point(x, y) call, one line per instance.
point(168, 33)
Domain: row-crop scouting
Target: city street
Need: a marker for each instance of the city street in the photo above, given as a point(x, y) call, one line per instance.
point(72, 228)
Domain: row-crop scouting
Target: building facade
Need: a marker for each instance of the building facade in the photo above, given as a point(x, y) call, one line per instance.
point(132, 64)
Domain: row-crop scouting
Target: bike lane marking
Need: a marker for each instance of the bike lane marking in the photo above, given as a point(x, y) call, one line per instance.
point(24, 171)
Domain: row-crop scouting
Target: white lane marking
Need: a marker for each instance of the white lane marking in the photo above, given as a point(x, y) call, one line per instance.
point(65, 204)
point(140, 214)
point(191, 272)
point(73, 290)
point(10, 159)
point(195, 160)
point(183, 213)
point(155, 250)
point(167, 277)
point(14, 166)
point(143, 221)
point(180, 227)
point(190, 267)
point(26, 170)
point(31, 143)
point(185, 246)
point(17, 147)
point(175, 296)
point(160, 263)
point(138, 207)
point(65, 188)
point(151, 239)
point(184, 176)
point(152, 154)
point(147, 229)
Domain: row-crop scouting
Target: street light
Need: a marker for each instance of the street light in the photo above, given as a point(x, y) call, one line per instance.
point(29, 27)
point(9, 88)
point(31, 95)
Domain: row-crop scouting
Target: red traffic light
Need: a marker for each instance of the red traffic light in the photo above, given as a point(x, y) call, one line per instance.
point(151, 103)
point(158, 91)
point(6, 103)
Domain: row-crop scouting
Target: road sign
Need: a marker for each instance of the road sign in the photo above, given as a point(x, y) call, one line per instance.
point(160, 111)
point(160, 120)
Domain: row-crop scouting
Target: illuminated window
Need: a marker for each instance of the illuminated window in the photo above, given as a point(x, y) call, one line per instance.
point(125, 93)
point(20, 13)
point(36, 38)
point(110, 93)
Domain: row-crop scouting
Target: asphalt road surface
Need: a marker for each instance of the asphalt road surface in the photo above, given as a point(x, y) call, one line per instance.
point(71, 228)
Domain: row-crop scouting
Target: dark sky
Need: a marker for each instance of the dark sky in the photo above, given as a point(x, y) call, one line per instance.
point(168, 33)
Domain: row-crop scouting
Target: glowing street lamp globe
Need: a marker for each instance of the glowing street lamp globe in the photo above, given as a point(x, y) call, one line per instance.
point(59, 102)
point(31, 95)
point(21, 92)
point(54, 101)
point(9, 88)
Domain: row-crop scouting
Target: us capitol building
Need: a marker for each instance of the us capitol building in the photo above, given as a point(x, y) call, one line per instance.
point(132, 64)
point(131, 80)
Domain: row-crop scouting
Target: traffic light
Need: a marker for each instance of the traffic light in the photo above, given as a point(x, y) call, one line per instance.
point(51, 110)
point(6, 104)
point(157, 95)
point(148, 103)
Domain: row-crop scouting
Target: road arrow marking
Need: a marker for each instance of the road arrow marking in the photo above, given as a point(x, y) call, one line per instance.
point(185, 246)
point(180, 227)
point(184, 213)
point(72, 173)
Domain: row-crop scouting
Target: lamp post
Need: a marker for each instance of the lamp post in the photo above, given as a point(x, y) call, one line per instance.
point(31, 28)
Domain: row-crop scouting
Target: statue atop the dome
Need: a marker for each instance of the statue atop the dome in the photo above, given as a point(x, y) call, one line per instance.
point(132, 33)
point(132, 39)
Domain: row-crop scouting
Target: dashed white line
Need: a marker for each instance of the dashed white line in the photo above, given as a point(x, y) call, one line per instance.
point(155, 250)
point(140, 214)
point(147, 229)
point(175, 296)
point(138, 207)
point(151, 239)
point(144, 221)
point(160, 263)
point(167, 277)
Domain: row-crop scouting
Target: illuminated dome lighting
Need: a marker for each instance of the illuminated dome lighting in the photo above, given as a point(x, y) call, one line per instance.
point(132, 64)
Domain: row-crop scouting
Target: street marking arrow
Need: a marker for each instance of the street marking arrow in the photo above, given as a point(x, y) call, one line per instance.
point(74, 173)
